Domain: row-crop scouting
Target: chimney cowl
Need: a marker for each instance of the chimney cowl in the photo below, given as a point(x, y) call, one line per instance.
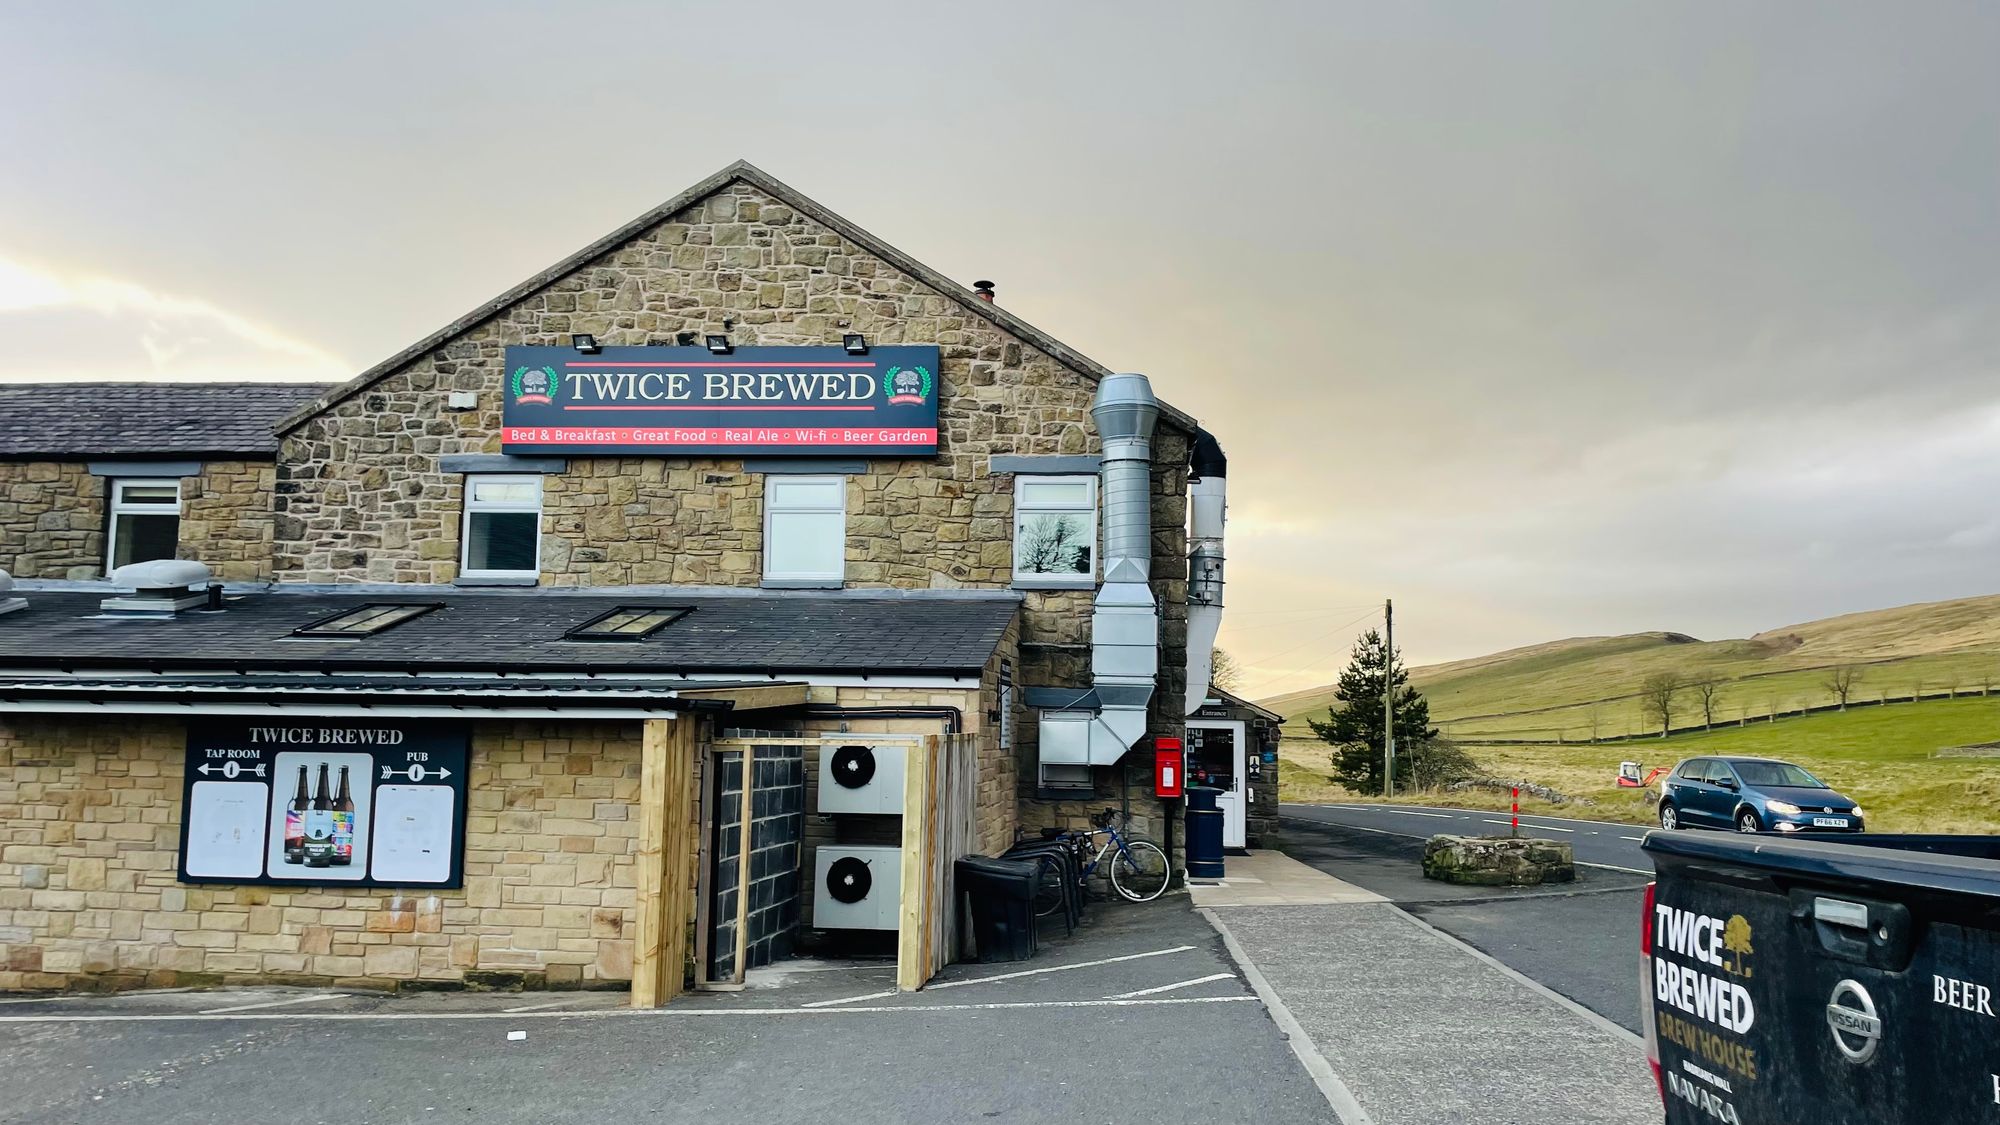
point(983, 290)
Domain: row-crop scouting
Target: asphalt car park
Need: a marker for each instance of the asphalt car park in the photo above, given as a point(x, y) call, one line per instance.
point(1141, 1015)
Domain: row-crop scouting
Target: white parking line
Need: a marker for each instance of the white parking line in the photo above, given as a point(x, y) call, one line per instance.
point(274, 1003)
point(1171, 987)
point(850, 999)
point(540, 1007)
point(1057, 968)
point(615, 1013)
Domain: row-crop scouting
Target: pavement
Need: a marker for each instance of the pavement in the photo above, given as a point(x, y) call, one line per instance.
point(1576, 938)
point(1141, 1016)
point(1400, 1022)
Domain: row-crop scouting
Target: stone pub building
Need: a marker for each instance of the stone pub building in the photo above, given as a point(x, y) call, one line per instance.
point(693, 601)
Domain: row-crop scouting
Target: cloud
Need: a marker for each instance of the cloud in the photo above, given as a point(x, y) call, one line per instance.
point(63, 327)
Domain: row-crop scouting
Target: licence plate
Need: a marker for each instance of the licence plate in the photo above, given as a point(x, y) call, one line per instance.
point(1829, 822)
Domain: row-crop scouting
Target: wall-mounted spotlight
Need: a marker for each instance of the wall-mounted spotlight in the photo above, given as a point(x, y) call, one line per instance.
point(586, 343)
point(718, 345)
point(855, 343)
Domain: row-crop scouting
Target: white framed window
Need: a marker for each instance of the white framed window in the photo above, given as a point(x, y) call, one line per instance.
point(502, 537)
point(1055, 531)
point(805, 530)
point(145, 521)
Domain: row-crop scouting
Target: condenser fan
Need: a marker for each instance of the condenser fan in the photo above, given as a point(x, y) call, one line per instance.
point(853, 766)
point(848, 879)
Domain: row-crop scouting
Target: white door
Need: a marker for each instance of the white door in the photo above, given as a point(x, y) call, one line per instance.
point(1217, 745)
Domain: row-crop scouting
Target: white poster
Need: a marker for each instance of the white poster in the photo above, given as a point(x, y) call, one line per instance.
point(414, 830)
point(227, 837)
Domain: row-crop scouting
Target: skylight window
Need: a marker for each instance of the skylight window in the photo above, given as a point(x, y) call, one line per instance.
point(367, 620)
point(627, 623)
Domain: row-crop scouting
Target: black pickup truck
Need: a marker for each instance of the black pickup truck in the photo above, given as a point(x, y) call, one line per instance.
point(1824, 980)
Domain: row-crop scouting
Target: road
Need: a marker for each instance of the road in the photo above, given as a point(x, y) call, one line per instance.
point(1580, 939)
point(1600, 843)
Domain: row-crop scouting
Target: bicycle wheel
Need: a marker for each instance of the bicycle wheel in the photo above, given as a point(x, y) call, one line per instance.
point(1049, 890)
point(1140, 873)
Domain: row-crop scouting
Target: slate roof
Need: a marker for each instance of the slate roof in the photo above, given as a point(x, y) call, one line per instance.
point(69, 421)
point(745, 172)
point(520, 631)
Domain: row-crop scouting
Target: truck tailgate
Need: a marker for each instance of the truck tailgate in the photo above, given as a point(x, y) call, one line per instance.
point(1795, 980)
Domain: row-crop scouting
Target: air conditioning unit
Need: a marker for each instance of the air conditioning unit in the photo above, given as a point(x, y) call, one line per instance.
point(860, 778)
point(857, 888)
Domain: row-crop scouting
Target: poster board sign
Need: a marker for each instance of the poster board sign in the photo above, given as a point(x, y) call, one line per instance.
point(758, 401)
point(323, 802)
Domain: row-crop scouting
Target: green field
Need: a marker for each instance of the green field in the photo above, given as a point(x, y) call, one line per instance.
point(1882, 757)
point(1587, 687)
point(1565, 694)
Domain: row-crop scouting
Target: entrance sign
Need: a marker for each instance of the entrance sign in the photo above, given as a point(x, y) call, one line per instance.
point(660, 400)
point(294, 799)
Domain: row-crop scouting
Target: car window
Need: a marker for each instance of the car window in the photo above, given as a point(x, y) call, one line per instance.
point(1778, 774)
point(1694, 769)
point(1719, 772)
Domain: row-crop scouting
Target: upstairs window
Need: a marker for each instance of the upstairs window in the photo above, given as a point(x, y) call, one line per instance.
point(1055, 531)
point(145, 521)
point(805, 530)
point(503, 527)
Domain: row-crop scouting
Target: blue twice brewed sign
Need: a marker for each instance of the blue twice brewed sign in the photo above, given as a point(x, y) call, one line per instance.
point(790, 401)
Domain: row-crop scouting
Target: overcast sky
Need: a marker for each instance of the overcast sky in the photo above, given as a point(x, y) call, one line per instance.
point(1545, 319)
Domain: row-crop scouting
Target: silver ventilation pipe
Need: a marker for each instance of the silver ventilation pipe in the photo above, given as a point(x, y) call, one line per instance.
point(1208, 473)
point(1125, 622)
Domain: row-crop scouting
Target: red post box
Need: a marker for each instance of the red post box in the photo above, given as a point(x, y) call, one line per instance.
point(1169, 767)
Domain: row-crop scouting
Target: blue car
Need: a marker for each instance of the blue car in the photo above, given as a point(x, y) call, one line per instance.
point(1752, 795)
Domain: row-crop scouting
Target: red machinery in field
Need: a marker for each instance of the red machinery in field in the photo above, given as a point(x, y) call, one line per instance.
point(1628, 775)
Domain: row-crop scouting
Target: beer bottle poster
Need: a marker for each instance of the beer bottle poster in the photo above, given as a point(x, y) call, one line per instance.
point(323, 801)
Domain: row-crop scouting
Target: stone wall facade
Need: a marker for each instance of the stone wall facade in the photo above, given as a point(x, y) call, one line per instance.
point(53, 519)
point(90, 830)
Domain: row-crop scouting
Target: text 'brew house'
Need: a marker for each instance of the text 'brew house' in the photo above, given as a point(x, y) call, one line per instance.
point(688, 606)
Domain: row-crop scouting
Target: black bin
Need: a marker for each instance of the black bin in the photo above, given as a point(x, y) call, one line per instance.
point(1002, 894)
point(1204, 833)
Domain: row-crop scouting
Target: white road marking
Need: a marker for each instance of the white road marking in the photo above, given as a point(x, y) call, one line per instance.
point(850, 999)
point(1529, 824)
point(52, 999)
point(1380, 808)
point(1414, 836)
point(539, 1007)
point(1414, 812)
point(612, 1013)
point(1631, 837)
point(275, 1003)
point(1171, 987)
point(1057, 968)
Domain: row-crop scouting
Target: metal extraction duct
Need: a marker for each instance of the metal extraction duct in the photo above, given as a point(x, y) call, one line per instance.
point(1125, 623)
point(1208, 472)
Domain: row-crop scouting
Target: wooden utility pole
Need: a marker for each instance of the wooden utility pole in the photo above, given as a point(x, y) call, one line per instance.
point(1388, 698)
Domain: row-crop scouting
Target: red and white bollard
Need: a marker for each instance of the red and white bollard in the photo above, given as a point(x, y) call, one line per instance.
point(1517, 811)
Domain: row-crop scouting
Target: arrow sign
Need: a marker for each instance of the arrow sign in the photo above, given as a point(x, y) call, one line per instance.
point(416, 772)
point(231, 770)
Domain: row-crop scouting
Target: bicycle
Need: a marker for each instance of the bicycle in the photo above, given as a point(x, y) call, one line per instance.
point(1137, 869)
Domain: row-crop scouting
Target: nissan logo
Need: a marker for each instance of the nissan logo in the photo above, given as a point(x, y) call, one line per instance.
point(1857, 1031)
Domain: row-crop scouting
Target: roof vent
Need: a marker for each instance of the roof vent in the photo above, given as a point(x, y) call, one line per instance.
point(7, 604)
point(159, 588)
point(983, 290)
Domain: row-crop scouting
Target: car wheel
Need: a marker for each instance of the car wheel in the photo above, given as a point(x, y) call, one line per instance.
point(1746, 821)
point(1670, 818)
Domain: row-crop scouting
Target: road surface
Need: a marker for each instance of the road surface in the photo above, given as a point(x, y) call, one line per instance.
point(1599, 843)
point(1580, 939)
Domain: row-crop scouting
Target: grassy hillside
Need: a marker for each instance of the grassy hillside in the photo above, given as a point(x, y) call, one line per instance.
point(1587, 687)
point(1883, 757)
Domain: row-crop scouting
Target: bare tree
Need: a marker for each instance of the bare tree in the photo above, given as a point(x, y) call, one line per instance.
point(1224, 672)
point(1055, 544)
point(1656, 698)
point(1704, 692)
point(1596, 721)
point(1840, 681)
point(1985, 682)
